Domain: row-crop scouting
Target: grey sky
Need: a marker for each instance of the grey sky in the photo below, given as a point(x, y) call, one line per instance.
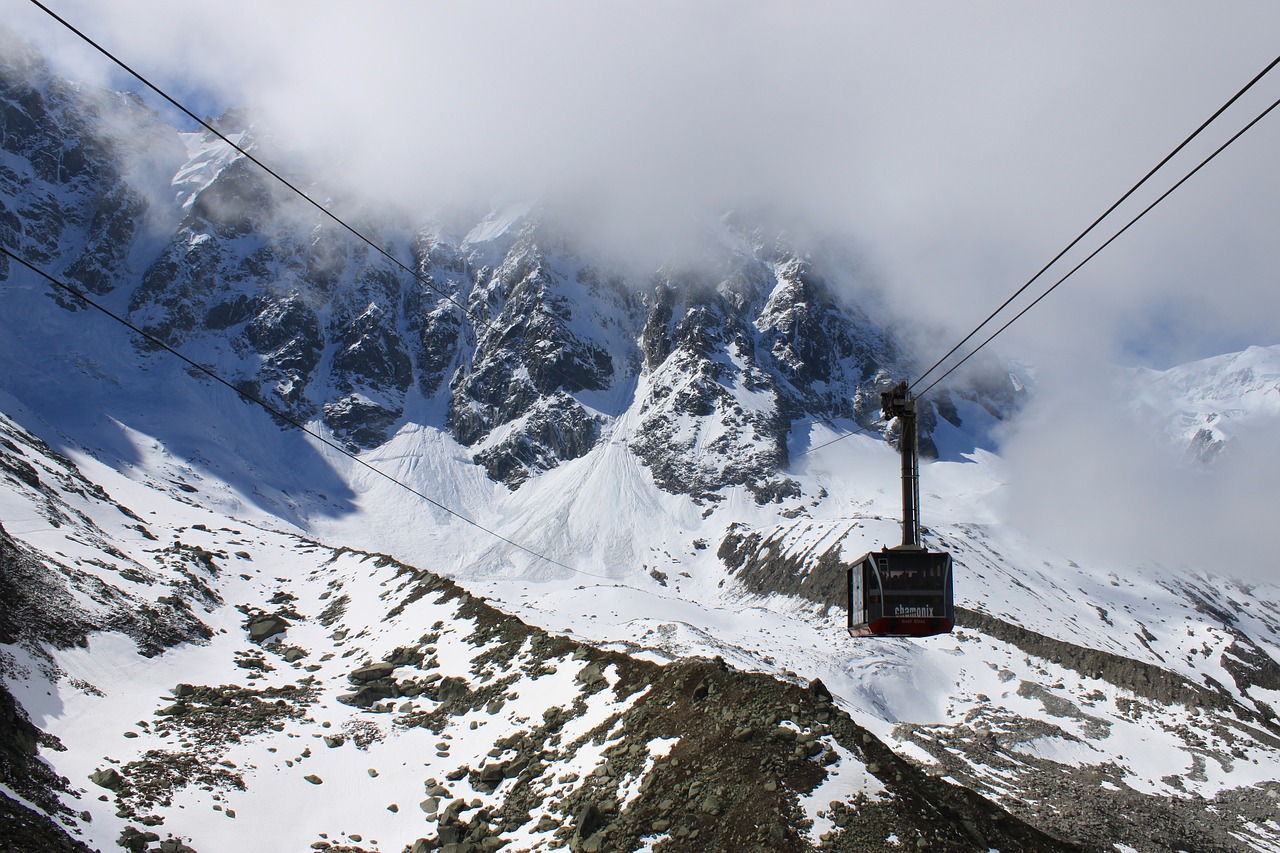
point(961, 144)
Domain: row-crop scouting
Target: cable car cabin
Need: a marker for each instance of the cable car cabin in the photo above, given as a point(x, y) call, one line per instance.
point(901, 593)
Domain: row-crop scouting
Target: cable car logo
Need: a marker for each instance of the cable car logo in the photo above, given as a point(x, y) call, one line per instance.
point(903, 610)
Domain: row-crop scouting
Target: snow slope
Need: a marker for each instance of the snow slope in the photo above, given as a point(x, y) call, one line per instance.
point(644, 575)
point(387, 705)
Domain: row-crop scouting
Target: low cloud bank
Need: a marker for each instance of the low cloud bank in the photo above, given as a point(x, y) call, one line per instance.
point(1104, 482)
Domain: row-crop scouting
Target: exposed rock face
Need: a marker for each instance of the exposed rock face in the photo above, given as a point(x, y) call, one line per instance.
point(238, 203)
point(360, 421)
point(765, 567)
point(52, 605)
point(712, 415)
point(66, 202)
point(23, 772)
point(27, 829)
point(556, 428)
point(58, 604)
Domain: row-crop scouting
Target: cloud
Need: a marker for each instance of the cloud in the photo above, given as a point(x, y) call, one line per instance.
point(1108, 482)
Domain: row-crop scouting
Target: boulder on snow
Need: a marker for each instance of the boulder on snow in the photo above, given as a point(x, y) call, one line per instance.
point(266, 626)
point(372, 672)
point(135, 840)
point(367, 696)
point(491, 775)
point(109, 778)
point(174, 845)
point(590, 675)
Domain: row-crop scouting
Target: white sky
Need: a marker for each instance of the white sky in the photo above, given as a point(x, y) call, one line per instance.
point(961, 144)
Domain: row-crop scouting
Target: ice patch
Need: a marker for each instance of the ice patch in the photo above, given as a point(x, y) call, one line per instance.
point(1060, 750)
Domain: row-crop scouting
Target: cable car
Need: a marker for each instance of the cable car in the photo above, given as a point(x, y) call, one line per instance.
point(903, 591)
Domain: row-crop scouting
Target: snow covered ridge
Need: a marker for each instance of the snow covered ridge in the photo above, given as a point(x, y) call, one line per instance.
point(1214, 399)
point(393, 708)
point(206, 741)
point(1159, 703)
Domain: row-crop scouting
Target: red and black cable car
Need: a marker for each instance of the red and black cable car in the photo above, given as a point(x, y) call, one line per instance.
point(903, 591)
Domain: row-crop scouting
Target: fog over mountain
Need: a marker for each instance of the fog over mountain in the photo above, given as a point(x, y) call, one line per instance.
point(961, 145)
point(957, 147)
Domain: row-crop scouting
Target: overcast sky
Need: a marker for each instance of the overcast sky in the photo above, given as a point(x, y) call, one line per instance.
point(961, 144)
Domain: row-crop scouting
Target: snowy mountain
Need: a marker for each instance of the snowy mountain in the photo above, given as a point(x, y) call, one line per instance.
point(220, 632)
point(1212, 400)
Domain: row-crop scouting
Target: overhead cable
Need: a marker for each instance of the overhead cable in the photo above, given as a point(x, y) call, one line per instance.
point(1092, 254)
point(330, 215)
point(832, 441)
point(283, 180)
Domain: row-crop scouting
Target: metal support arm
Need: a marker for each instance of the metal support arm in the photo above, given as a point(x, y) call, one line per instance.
point(898, 403)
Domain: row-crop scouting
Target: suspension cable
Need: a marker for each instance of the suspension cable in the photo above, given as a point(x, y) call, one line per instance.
point(1073, 270)
point(359, 235)
point(1097, 221)
point(1091, 255)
